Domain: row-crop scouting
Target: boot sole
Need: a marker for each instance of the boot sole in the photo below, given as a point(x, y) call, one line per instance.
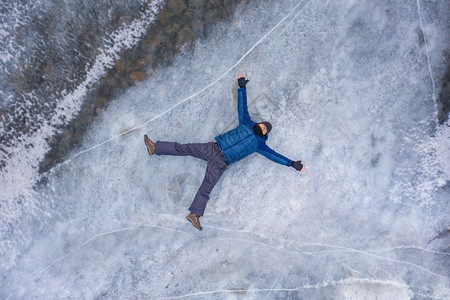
point(146, 139)
point(199, 228)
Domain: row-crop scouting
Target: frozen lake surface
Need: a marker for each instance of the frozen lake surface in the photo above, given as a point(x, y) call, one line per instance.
point(350, 88)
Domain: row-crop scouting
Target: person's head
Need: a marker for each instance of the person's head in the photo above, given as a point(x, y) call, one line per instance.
point(263, 128)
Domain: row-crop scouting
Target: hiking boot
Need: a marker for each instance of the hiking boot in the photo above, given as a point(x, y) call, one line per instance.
point(194, 219)
point(150, 145)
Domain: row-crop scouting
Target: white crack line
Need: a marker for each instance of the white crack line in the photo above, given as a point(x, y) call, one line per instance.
point(427, 53)
point(307, 286)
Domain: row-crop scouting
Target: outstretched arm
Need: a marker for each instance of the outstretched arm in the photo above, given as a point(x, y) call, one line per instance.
point(244, 117)
point(278, 158)
point(273, 156)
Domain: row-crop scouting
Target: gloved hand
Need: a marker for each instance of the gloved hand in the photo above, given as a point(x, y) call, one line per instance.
point(241, 80)
point(297, 165)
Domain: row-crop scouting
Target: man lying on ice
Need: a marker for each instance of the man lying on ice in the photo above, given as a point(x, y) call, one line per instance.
point(230, 147)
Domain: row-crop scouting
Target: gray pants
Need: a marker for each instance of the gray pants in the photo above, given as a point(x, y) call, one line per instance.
point(215, 168)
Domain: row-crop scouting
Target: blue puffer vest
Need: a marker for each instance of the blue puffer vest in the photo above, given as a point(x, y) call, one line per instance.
point(242, 141)
point(238, 143)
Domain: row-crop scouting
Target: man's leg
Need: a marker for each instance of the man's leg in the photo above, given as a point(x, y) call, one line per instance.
point(214, 171)
point(204, 151)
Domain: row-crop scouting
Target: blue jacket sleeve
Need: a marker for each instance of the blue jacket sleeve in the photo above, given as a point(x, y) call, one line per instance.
point(273, 156)
point(244, 117)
